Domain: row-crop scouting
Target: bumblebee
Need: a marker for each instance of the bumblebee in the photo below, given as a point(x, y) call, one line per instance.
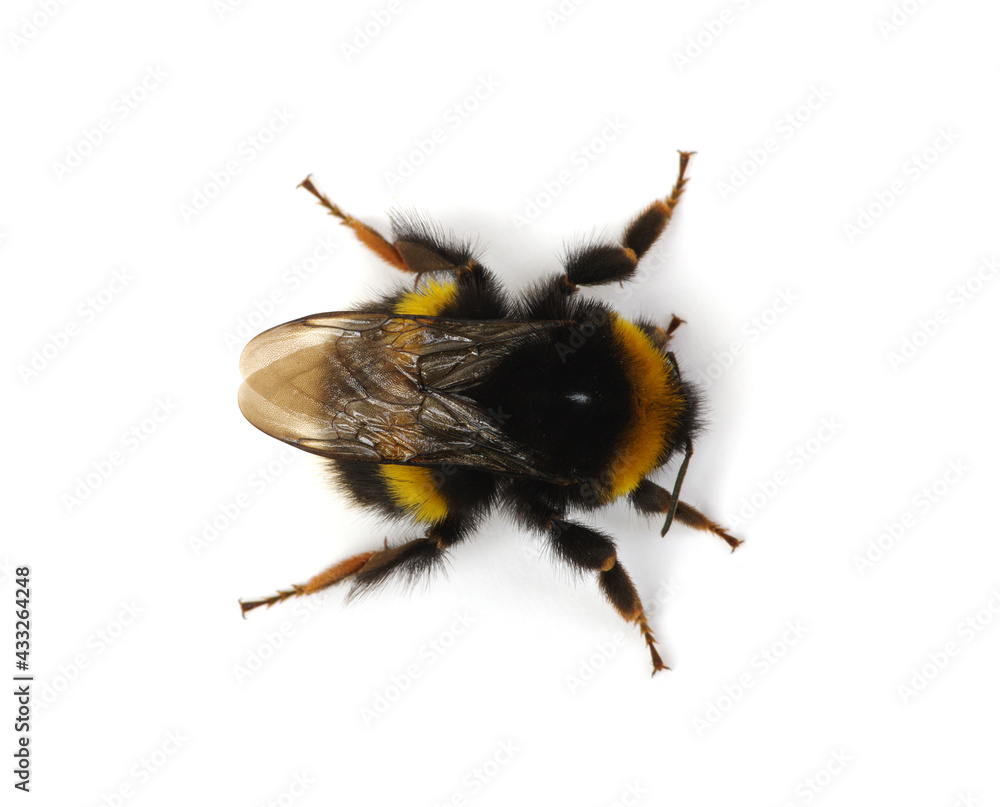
point(442, 402)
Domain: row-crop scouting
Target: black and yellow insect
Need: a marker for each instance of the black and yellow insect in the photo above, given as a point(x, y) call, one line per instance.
point(443, 403)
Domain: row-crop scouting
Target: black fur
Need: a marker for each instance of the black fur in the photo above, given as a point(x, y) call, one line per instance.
point(645, 229)
point(581, 546)
point(599, 263)
point(409, 227)
point(362, 482)
point(620, 590)
point(410, 562)
point(567, 397)
point(478, 295)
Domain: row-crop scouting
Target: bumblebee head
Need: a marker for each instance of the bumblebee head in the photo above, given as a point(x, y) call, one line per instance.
point(663, 411)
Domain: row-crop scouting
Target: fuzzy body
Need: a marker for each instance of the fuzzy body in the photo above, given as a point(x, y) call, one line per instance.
point(441, 401)
point(595, 398)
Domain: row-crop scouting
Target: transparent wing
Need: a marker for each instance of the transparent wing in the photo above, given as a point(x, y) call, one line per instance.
point(381, 388)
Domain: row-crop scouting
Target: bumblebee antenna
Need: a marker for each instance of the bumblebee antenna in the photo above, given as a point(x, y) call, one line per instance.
point(689, 450)
point(675, 496)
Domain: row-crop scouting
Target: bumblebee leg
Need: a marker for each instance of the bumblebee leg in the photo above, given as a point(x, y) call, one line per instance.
point(366, 235)
point(675, 323)
point(415, 249)
point(661, 336)
point(588, 549)
point(324, 579)
point(651, 498)
point(369, 569)
point(606, 263)
point(412, 559)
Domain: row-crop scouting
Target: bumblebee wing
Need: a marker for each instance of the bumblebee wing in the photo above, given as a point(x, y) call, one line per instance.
point(382, 388)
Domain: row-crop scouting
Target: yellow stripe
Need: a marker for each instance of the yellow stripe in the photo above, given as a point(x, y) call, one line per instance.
point(412, 488)
point(656, 408)
point(428, 301)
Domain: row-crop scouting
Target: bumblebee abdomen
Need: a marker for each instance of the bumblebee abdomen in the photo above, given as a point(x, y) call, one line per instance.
point(414, 491)
point(660, 407)
point(426, 494)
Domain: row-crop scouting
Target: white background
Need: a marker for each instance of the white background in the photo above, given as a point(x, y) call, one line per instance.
point(830, 660)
